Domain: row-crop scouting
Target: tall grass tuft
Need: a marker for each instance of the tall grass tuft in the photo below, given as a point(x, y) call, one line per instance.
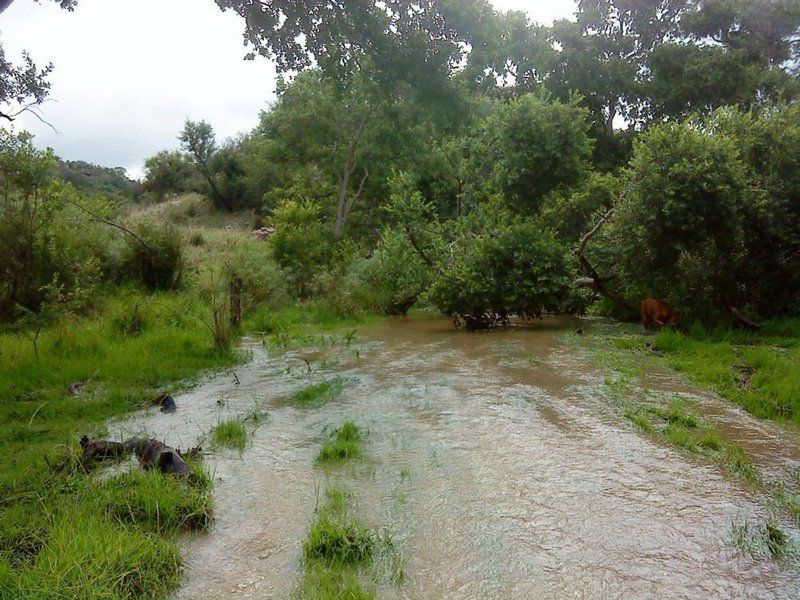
point(230, 434)
point(318, 394)
point(343, 444)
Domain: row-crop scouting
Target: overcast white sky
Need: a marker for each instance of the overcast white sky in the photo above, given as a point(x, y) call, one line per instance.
point(128, 72)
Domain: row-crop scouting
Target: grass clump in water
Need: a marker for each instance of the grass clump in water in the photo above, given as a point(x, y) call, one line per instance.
point(760, 371)
point(343, 444)
point(327, 583)
point(676, 424)
point(765, 540)
point(336, 539)
point(230, 434)
point(318, 394)
point(336, 551)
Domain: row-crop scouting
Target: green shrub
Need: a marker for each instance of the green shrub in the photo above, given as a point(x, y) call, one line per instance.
point(498, 267)
point(51, 250)
point(302, 244)
point(677, 233)
point(154, 258)
point(392, 279)
point(170, 173)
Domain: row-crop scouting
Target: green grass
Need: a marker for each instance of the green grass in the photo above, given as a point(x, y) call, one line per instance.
point(331, 583)
point(230, 434)
point(67, 534)
point(339, 542)
point(760, 371)
point(336, 552)
point(342, 445)
point(88, 537)
point(124, 367)
point(293, 320)
point(676, 424)
point(765, 540)
point(318, 394)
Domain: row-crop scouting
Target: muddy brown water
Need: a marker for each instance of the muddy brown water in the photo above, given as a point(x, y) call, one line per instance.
point(495, 459)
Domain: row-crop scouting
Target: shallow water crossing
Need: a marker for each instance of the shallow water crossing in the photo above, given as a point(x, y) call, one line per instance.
point(495, 459)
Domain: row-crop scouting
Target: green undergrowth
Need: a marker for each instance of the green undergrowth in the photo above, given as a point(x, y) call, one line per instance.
point(318, 394)
point(229, 434)
point(758, 370)
point(131, 348)
point(92, 536)
point(299, 319)
point(678, 424)
point(68, 534)
point(135, 348)
point(342, 444)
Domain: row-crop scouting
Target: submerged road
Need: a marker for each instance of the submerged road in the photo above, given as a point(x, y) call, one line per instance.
point(497, 460)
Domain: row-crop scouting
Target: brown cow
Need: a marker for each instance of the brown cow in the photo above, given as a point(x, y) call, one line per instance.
point(658, 313)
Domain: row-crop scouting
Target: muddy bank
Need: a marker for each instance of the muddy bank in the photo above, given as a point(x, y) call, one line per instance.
point(495, 460)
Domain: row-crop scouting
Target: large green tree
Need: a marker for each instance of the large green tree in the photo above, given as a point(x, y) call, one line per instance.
point(404, 40)
point(23, 86)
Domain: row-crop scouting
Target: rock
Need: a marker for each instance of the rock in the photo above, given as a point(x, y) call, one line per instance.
point(75, 388)
point(166, 402)
point(263, 233)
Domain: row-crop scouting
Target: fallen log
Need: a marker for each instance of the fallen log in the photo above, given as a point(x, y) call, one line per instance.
point(153, 454)
point(740, 320)
point(101, 450)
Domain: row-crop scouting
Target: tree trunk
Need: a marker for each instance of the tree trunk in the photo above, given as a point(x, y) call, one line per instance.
point(236, 301)
point(344, 182)
point(599, 283)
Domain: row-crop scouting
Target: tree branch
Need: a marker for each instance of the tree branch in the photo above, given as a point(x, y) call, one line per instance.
point(599, 283)
point(105, 221)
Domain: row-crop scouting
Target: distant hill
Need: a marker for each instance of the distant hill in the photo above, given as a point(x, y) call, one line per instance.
point(112, 182)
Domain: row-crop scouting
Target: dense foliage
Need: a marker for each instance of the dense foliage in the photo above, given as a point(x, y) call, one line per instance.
point(447, 153)
point(498, 266)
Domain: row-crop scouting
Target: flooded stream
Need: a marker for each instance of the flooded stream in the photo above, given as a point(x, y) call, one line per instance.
point(496, 461)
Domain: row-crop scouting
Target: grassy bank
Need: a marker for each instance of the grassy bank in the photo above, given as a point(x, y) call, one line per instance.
point(760, 370)
point(66, 533)
point(757, 370)
point(63, 532)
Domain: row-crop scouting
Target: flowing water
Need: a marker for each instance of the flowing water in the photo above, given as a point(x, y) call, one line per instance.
point(496, 459)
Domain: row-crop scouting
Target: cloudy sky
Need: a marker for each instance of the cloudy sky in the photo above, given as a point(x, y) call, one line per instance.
point(128, 72)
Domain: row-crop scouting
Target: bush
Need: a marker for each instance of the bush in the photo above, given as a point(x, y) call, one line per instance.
point(678, 232)
point(302, 244)
point(769, 146)
point(392, 279)
point(154, 257)
point(498, 267)
point(50, 249)
point(170, 173)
